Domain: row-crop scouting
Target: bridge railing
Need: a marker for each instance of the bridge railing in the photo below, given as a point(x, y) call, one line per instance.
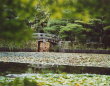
point(45, 36)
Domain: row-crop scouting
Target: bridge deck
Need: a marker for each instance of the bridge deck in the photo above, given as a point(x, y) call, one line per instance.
point(46, 37)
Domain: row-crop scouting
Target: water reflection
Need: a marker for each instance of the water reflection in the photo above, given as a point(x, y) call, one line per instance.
point(18, 68)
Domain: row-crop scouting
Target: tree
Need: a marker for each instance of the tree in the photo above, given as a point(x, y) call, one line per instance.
point(93, 29)
point(97, 26)
point(39, 19)
point(13, 14)
point(54, 26)
point(82, 9)
point(71, 32)
point(106, 39)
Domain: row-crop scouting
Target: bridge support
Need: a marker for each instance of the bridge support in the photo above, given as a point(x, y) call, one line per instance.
point(44, 46)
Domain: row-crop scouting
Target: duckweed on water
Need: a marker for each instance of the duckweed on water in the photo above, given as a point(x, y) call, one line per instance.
point(57, 80)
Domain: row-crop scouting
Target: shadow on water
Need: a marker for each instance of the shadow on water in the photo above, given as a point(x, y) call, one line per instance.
point(17, 68)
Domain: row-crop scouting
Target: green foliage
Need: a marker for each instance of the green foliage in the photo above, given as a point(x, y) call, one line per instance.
point(107, 28)
point(83, 9)
point(12, 19)
point(57, 22)
point(71, 32)
point(52, 30)
point(28, 82)
point(39, 19)
point(18, 82)
point(54, 26)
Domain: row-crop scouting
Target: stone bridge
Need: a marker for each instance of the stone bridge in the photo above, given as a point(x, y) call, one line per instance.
point(45, 41)
point(45, 37)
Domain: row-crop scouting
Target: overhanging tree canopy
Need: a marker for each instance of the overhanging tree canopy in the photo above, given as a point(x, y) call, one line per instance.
point(83, 9)
point(13, 14)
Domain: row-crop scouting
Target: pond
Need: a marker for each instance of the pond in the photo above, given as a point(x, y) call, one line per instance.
point(54, 69)
point(12, 68)
point(25, 74)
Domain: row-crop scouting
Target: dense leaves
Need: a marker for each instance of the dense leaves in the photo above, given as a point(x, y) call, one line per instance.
point(39, 19)
point(54, 26)
point(71, 31)
point(95, 31)
point(13, 14)
point(83, 9)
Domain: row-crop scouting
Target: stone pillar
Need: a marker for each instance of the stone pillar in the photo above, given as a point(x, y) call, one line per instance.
point(43, 46)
